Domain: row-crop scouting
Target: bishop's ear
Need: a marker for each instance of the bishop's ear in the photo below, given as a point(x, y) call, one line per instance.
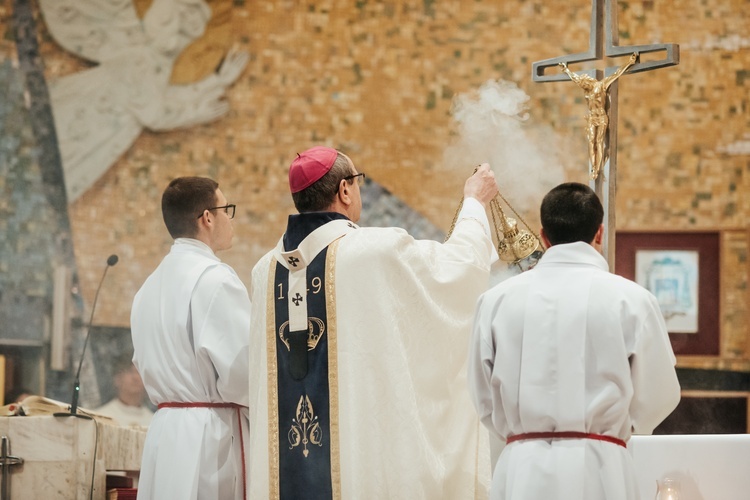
point(344, 193)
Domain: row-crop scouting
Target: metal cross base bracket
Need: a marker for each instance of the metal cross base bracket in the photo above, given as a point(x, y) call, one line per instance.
point(6, 462)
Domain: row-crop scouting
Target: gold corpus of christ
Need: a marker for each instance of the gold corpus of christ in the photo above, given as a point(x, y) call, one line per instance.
point(596, 93)
point(519, 247)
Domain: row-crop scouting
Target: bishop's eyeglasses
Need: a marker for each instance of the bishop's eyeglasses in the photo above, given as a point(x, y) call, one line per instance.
point(360, 178)
point(228, 209)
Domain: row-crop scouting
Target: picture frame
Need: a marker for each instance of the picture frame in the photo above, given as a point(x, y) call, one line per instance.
point(682, 270)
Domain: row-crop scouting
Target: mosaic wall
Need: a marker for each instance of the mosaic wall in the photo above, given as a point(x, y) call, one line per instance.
point(28, 223)
point(378, 80)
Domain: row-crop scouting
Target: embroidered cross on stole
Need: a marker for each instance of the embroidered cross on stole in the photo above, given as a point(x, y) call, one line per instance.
point(302, 368)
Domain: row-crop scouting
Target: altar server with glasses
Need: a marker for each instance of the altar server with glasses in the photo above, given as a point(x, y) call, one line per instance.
point(190, 324)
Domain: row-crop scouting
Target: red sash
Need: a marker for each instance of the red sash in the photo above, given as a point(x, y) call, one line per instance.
point(565, 435)
point(239, 423)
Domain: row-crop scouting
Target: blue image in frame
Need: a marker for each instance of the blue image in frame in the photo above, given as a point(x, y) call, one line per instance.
point(672, 276)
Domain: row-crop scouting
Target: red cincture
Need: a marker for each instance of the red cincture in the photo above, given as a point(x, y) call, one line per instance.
point(566, 435)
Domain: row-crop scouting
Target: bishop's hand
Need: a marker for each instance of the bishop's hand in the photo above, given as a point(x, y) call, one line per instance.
point(482, 185)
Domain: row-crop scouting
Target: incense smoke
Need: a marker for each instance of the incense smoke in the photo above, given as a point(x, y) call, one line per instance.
point(494, 127)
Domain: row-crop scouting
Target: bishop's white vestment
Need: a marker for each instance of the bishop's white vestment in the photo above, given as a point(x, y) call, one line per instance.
point(569, 347)
point(190, 323)
point(358, 357)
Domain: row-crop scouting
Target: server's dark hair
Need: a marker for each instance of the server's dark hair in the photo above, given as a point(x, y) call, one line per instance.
point(183, 201)
point(571, 212)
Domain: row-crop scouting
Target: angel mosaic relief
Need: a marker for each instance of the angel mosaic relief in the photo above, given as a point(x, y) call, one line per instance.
point(99, 112)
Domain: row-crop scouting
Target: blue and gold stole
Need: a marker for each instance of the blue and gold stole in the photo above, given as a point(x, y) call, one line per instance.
point(302, 367)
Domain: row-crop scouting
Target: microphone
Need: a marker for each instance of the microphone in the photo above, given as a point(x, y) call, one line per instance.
point(111, 261)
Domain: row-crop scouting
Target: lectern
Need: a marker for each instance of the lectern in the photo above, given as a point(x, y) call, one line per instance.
point(48, 457)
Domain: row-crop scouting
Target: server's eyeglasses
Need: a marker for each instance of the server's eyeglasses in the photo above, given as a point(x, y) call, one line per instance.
point(228, 209)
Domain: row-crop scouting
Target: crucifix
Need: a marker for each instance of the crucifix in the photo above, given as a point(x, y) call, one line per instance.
point(602, 129)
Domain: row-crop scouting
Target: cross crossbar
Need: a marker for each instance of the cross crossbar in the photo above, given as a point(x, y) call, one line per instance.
point(603, 40)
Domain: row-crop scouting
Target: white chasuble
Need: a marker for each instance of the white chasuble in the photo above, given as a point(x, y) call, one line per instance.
point(380, 407)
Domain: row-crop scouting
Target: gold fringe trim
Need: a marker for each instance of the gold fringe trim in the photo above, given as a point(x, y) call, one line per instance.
point(333, 369)
point(273, 388)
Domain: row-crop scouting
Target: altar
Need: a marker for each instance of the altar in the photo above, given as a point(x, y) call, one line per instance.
point(705, 466)
point(49, 457)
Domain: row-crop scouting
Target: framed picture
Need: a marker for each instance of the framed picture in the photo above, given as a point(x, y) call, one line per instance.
point(671, 275)
point(682, 271)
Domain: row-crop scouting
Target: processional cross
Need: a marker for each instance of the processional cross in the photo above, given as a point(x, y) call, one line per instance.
point(602, 130)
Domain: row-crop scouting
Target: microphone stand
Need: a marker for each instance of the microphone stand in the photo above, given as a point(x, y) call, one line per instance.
point(111, 261)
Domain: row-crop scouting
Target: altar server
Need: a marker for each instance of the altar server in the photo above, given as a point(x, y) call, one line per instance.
point(358, 348)
point(190, 323)
point(567, 360)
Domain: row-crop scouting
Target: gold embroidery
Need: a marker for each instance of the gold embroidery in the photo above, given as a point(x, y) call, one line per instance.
point(333, 369)
point(273, 389)
point(317, 284)
point(274, 472)
point(312, 337)
point(305, 428)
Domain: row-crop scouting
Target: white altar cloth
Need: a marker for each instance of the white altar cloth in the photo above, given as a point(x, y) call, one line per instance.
point(707, 466)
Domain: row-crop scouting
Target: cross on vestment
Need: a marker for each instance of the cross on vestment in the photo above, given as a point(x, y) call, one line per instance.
point(603, 40)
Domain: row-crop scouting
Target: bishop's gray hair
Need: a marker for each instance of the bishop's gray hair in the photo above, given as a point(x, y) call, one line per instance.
point(321, 194)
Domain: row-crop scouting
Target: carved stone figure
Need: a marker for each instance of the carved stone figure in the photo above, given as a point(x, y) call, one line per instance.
point(596, 93)
point(100, 111)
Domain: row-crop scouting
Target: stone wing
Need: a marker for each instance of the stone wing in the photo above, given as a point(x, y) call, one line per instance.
point(93, 29)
